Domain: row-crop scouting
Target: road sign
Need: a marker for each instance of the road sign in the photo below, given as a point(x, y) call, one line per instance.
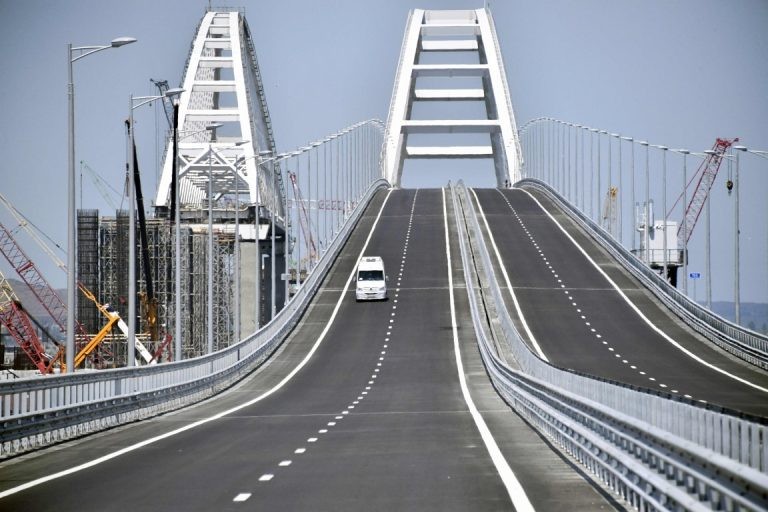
point(694, 275)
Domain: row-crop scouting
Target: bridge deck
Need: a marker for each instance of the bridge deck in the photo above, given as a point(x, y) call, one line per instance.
point(408, 443)
point(582, 322)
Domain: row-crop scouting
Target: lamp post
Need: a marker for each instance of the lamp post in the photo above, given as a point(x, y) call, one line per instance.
point(736, 242)
point(212, 128)
point(708, 252)
point(73, 55)
point(647, 208)
point(599, 155)
point(133, 105)
point(237, 246)
point(632, 173)
point(664, 150)
point(764, 155)
point(685, 154)
point(177, 233)
point(592, 132)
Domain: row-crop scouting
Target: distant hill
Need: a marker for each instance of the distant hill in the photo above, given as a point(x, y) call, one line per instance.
point(754, 315)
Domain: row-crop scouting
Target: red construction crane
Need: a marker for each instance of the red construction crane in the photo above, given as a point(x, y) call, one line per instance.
point(43, 291)
point(19, 325)
point(706, 175)
point(304, 220)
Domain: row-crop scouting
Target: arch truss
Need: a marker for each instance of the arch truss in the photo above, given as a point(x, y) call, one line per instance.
point(454, 32)
point(223, 122)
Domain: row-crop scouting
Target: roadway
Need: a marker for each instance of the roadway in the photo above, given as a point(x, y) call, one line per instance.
point(361, 408)
point(581, 322)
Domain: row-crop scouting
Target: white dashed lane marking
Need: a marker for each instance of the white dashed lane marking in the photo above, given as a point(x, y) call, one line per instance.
point(380, 358)
point(569, 296)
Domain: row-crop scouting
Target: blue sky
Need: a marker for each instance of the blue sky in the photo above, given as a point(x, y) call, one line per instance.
point(679, 73)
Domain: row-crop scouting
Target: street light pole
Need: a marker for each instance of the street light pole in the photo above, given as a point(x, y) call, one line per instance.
point(685, 154)
point(82, 51)
point(620, 204)
point(132, 105)
point(664, 205)
point(178, 356)
point(632, 173)
point(647, 207)
point(736, 242)
point(708, 251)
point(131, 355)
point(212, 128)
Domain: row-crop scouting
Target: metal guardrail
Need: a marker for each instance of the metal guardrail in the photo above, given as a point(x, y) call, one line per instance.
point(739, 341)
point(655, 452)
point(38, 412)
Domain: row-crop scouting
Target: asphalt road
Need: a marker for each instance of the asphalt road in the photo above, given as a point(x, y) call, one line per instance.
point(375, 419)
point(582, 323)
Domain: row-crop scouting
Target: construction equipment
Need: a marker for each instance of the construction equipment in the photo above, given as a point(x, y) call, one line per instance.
point(113, 318)
point(162, 88)
point(48, 297)
point(610, 222)
point(304, 220)
point(706, 174)
point(19, 324)
point(148, 299)
point(43, 291)
point(101, 184)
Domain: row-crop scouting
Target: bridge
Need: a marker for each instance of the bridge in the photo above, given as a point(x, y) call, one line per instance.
point(526, 358)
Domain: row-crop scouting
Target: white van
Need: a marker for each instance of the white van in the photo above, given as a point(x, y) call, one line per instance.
point(371, 279)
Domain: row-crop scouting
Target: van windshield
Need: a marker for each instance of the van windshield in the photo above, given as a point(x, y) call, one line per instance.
point(370, 275)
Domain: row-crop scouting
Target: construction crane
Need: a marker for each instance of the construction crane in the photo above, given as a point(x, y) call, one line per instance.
point(162, 88)
point(304, 220)
point(609, 211)
point(101, 184)
point(15, 255)
point(148, 297)
point(19, 324)
point(706, 174)
point(40, 288)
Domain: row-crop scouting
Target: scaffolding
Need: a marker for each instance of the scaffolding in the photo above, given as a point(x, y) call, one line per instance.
point(88, 267)
point(103, 265)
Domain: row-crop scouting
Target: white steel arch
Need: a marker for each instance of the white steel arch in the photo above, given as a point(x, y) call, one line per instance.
point(222, 85)
point(452, 31)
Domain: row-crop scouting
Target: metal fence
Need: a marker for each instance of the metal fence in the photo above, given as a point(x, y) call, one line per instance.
point(38, 412)
point(655, 452)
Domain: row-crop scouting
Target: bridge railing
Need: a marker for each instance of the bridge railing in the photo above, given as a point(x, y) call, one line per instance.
point(742, 342)
point(655, 451)
point(39, 412)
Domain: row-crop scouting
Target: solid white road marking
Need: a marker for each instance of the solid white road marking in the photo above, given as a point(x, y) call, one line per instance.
point(516, 492)
point(509, 284)
point(203, 421)
point(637, 310)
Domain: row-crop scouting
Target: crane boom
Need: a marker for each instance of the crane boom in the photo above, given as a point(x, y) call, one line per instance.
point(19, 325)
point(706, 174)
point(304, 220)
point(86, 348)
point(29, 273)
